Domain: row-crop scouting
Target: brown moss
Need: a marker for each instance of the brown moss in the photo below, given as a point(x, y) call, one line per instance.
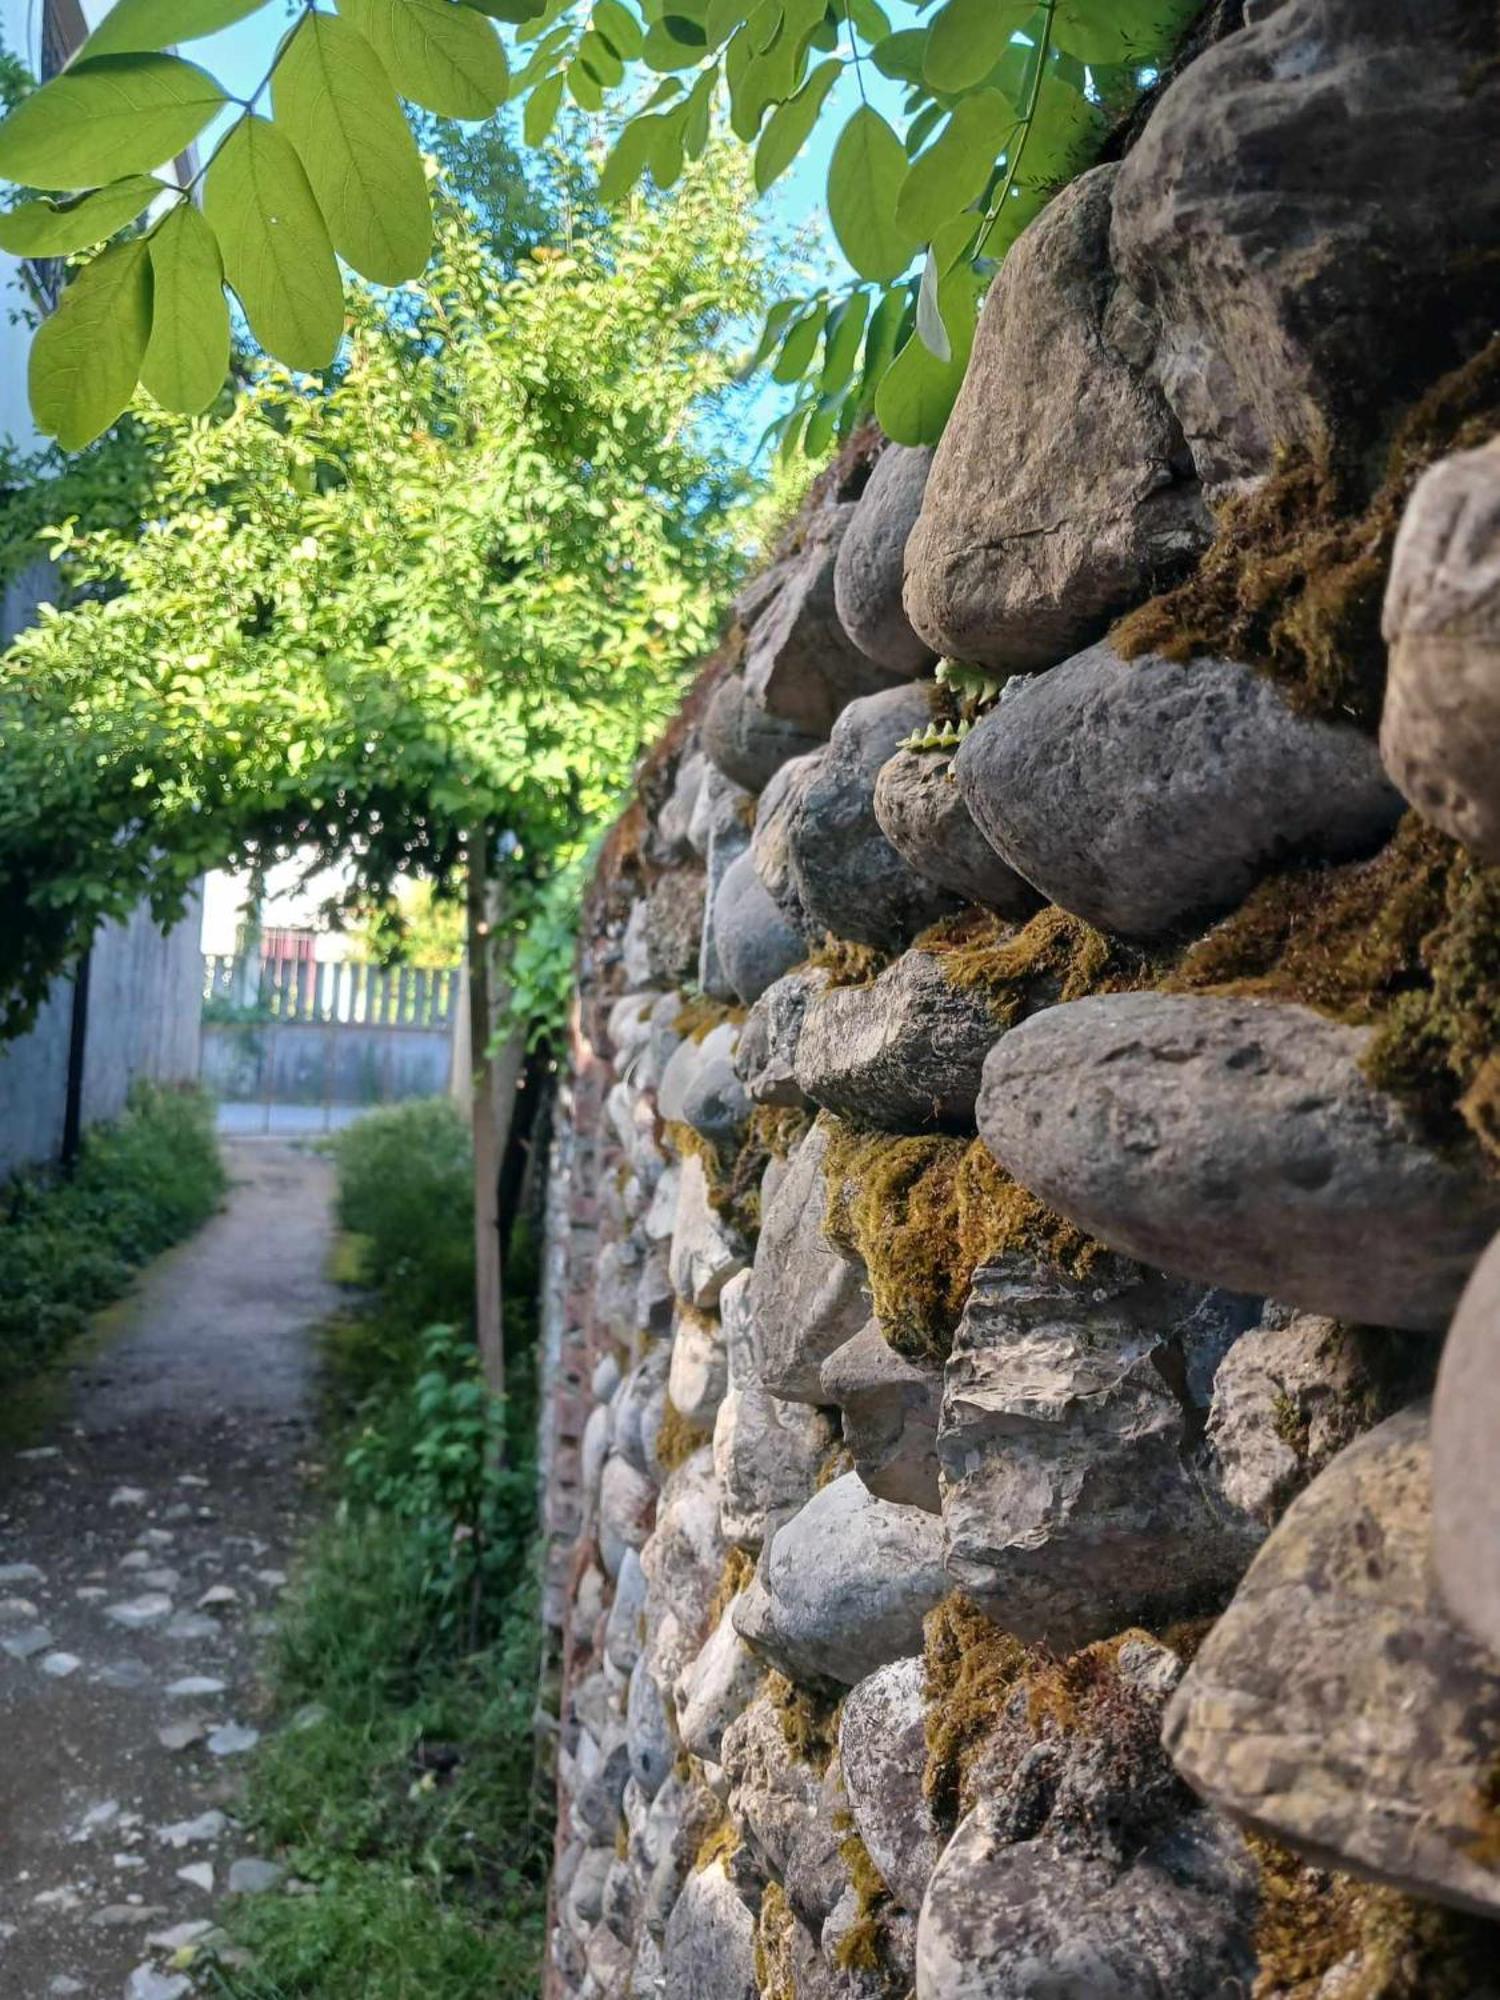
point(720, 1843)
point(838, 1460)
point(859, 1949)
point(770, 1134)
point(924, 1213)
point(736, 1575)
point(1019, 968)
point(697, 1018)
point(1311, 1920)
point(1185, 1637)
point(972, 1668)
point(678, 1439)
point(1294, 579)
point(622, 1840)
point(848, 963)
point(1408, 941)
point(809, 1719)
point(775, 1962)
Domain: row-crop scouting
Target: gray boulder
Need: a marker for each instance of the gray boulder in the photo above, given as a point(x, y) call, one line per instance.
point(651, 1739)
point(776, 814)
point(846, 875)
point(671, 835)
point(809, 1298)
point(904, 1054)
point(716, 1104)
point(725, 814)
point(800, 664)
point(697, 1380)
point(623, 1630)
point(922, 812)
point(665, 930)
point(626, 1505)
point(1440, 732)
point(1336, 1705)
point(714, 1689)
point(871, 562)
point(848, 1582)
point(1268, 337)
point(773, 1793)
point(683, 1066)
point(748, 746)
point(1143, 795)
point(637, 1409)
point(706, 1252)
point(1238, 1142)
point(766, 1057)
point(883, 1751)
point(1062, 488)
point(1465, 1441)
point(755, 942)
point(889, 1409)
point(710, 1942)
point(1074, 1496)
point(767, 1453)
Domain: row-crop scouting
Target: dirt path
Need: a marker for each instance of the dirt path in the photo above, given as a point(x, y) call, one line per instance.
point(142, 1546)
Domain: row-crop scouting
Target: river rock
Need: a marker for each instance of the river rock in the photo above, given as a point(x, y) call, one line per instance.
point(683, 1561)
point(923, 814)
point(904, 1053)
point(748, 746)
point(1062, 489)
point(809, 1297)
point(727, 813)
point(1237, 1141)
point(683, 1065)
point(1143, 795)
point(665, 928)
point(889, 1407)
point(1025, 1920)
point(766, 1057)
point(1336, 1705)
point(637, 1410)
point(883, 1751)
point(717, 1105)
point(652, 1741)
point(706, 1252)
point(847, 876)
point(714, 1689)
point(755, 941)
point(626, 1505)
point(623, 1629)
point(1465, 1435)
point(670, 839)
point(871, 562)
point(710, 1941)
point(773, 1793)
point(800, 664)
point(697, 1378)
point(1074, 1494)
point(767, 1452)
point(1440, 732)
point(1271, 338)
point(683, 1811)
point(776, 814)
point(849, 1580)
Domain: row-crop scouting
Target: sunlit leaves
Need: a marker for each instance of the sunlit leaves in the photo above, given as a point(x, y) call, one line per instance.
point(335, 103)
point(864, 180)
point(918, 390)
point(55, 229)
point(104, 119)
point(790, 125)
point(87, 355)
point(159, 24)
point(187, 356)
point(968, 38)
point(447, 59)
point(956, 166)
point(276, 248)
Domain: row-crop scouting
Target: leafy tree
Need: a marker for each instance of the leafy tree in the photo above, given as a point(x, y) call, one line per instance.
point(1002, 101)
point(414, 926)
point(421, 614)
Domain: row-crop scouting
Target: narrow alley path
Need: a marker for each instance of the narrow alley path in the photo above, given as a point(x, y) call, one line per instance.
point(143, 1543)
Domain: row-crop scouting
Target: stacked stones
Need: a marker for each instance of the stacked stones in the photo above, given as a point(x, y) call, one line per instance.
point(1015, 1184)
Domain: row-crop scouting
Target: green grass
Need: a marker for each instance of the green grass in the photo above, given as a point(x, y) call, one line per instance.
point(70, 1247)
point(411, 1636)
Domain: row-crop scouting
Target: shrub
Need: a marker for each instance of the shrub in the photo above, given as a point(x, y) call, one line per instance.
point(68, 1247)
point(406, 1189)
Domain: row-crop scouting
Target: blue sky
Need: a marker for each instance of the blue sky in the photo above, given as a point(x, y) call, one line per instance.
point(239, 56)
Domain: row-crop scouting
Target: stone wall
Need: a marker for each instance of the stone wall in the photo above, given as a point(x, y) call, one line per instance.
point(1036, 1114)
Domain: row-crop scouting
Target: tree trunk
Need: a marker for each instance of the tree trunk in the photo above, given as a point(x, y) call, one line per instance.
point(489, 1322)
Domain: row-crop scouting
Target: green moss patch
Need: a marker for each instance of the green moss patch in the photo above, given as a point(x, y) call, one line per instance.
point(809, 1719)
point(1019, 968)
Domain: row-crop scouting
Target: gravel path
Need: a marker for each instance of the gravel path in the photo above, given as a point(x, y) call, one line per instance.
point(143, 1543)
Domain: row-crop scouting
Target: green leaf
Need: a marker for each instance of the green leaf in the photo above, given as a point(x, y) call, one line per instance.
point(275, 243)
point(790, 124)
point(1117, 31)
point(723, 17)
point(670, 45)
point(819, 431)
point(584, 87)
point(880, 340)
point(517, 13)
point(697, 123)
point(541, 110)
point(87, 354)
point(869, 18)
point(968, 38)
point(1020, 207)
point(601, 61)
point(901, 56)
point(447, 59)
point(930, 329)
point(56, 229)
point(1064, 136)
point(619, 27)
point(131, 25)
point(800, 345)
point(629, 159)
point(841, 338)
point(100, 120)
point(957, 166)
point(917, 394)
point(776, 318)
point(335, 103)
point(864, 179)
point(187, 356)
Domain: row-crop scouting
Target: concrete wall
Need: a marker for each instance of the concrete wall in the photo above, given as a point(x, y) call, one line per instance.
point(144, 1004)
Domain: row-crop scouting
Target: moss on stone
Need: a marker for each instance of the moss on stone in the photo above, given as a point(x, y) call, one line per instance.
point(972, 1668)
point(837, 1460)
point(1020, 967)
point(737, 1574)
point(678, 1439)
point(720, 1843)
point(696, 1019)
point(1393, 1947)
point(1408, 941)
point(924, 1213)
point(770, 1134)
point(847, 963)
point(859, 1949)
point(809, 1719)
point(1294, 579)
point(775, 1962)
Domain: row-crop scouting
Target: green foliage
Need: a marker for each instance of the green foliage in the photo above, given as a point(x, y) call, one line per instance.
point(406, 1188)
point(68, 1248)
point(1005, 100)
point(406, 1664)
point(414, 926)
point(451, 589)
